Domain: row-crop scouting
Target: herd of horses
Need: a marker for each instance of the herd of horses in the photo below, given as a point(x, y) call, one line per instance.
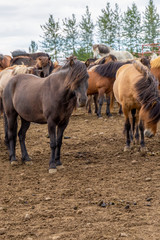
point(46, 92)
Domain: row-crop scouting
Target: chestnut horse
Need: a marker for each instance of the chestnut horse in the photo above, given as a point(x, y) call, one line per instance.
point(5, 61)
point(48, 100)
point(102, 60)
point(135, 88)
point(101, 79)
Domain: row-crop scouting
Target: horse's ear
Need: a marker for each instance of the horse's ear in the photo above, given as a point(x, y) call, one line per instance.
point(87, 62)
point(71, 62)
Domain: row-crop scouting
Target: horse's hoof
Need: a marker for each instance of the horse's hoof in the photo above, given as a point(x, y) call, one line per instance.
point(52, 170)
point(60, 167)
point(28, 163)
point(143, 150)
point(127, 148)
point(14, 163)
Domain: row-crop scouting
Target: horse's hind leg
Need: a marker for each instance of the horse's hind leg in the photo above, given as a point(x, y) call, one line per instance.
point(100, 100)
point(108, 113)
point(95, 97)
point(6, 141)
point(22, 135)
point(127, 131)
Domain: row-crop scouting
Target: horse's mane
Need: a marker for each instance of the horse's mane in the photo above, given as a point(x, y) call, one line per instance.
point(76, 72)
point(109, 69)
point(20, 69)
point(148, 94)
point(155, 63)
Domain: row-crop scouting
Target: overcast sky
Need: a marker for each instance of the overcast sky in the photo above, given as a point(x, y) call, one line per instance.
point(21, 19)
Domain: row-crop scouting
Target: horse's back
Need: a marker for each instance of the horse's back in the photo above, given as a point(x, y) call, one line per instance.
point(124, 85)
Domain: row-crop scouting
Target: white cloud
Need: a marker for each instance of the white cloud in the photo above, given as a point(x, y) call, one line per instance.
point(21, 20)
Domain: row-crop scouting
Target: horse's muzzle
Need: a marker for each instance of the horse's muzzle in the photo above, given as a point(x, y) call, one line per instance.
point(148, 133)
point(82, 102)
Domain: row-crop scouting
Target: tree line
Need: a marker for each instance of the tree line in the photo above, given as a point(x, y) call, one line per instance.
point(120, 30)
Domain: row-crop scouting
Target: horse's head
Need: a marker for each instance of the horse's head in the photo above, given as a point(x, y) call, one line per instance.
point(146, 62)
point(44, 63)
point(151, 118)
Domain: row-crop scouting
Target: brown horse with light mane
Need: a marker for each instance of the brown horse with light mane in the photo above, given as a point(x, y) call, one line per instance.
point(48, 100)
point(135, 88)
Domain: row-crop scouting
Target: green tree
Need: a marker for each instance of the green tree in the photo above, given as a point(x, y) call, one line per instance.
point(106, 26)
point(151, 24)
point(132, 28)
point(52, 39)
point(33, 47)
point(70, 38)
point(86, 32)
point(117, 25)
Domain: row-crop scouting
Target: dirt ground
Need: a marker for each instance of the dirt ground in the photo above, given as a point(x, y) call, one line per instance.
point(103, 193)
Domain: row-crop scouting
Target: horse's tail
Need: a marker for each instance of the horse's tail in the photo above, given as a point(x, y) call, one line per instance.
point(141, 68)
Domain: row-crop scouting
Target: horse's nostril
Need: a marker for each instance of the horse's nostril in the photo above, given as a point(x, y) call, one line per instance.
point(148, 133)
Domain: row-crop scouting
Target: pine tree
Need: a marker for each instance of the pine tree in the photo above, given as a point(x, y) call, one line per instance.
point(117, 16)
point(86, 33)
point(151, 24)
point(106, 26)
point(132, 29)
point(33, 47)
point(70, 38)
point(52, 40)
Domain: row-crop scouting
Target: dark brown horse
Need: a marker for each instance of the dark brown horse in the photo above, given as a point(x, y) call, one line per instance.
point(43, 64)
point(49, 100)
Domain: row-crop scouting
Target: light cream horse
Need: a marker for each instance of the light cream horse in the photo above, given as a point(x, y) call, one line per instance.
point(136, 89)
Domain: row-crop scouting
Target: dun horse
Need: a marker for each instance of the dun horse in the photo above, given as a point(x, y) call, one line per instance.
point(49, 100)
point(155, 68)
point(135, 88)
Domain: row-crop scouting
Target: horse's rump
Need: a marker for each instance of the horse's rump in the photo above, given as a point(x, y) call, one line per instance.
point(155, 63)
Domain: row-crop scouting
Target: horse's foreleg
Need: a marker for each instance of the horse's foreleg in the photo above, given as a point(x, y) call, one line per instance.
point(127, 130)
point(141, 128)
point(22, 135)
point(89, 104)
point(95, 97)
point(60, 131)
point(52, 135)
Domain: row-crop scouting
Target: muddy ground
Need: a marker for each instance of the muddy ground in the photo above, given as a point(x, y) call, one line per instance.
point(103, 193)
